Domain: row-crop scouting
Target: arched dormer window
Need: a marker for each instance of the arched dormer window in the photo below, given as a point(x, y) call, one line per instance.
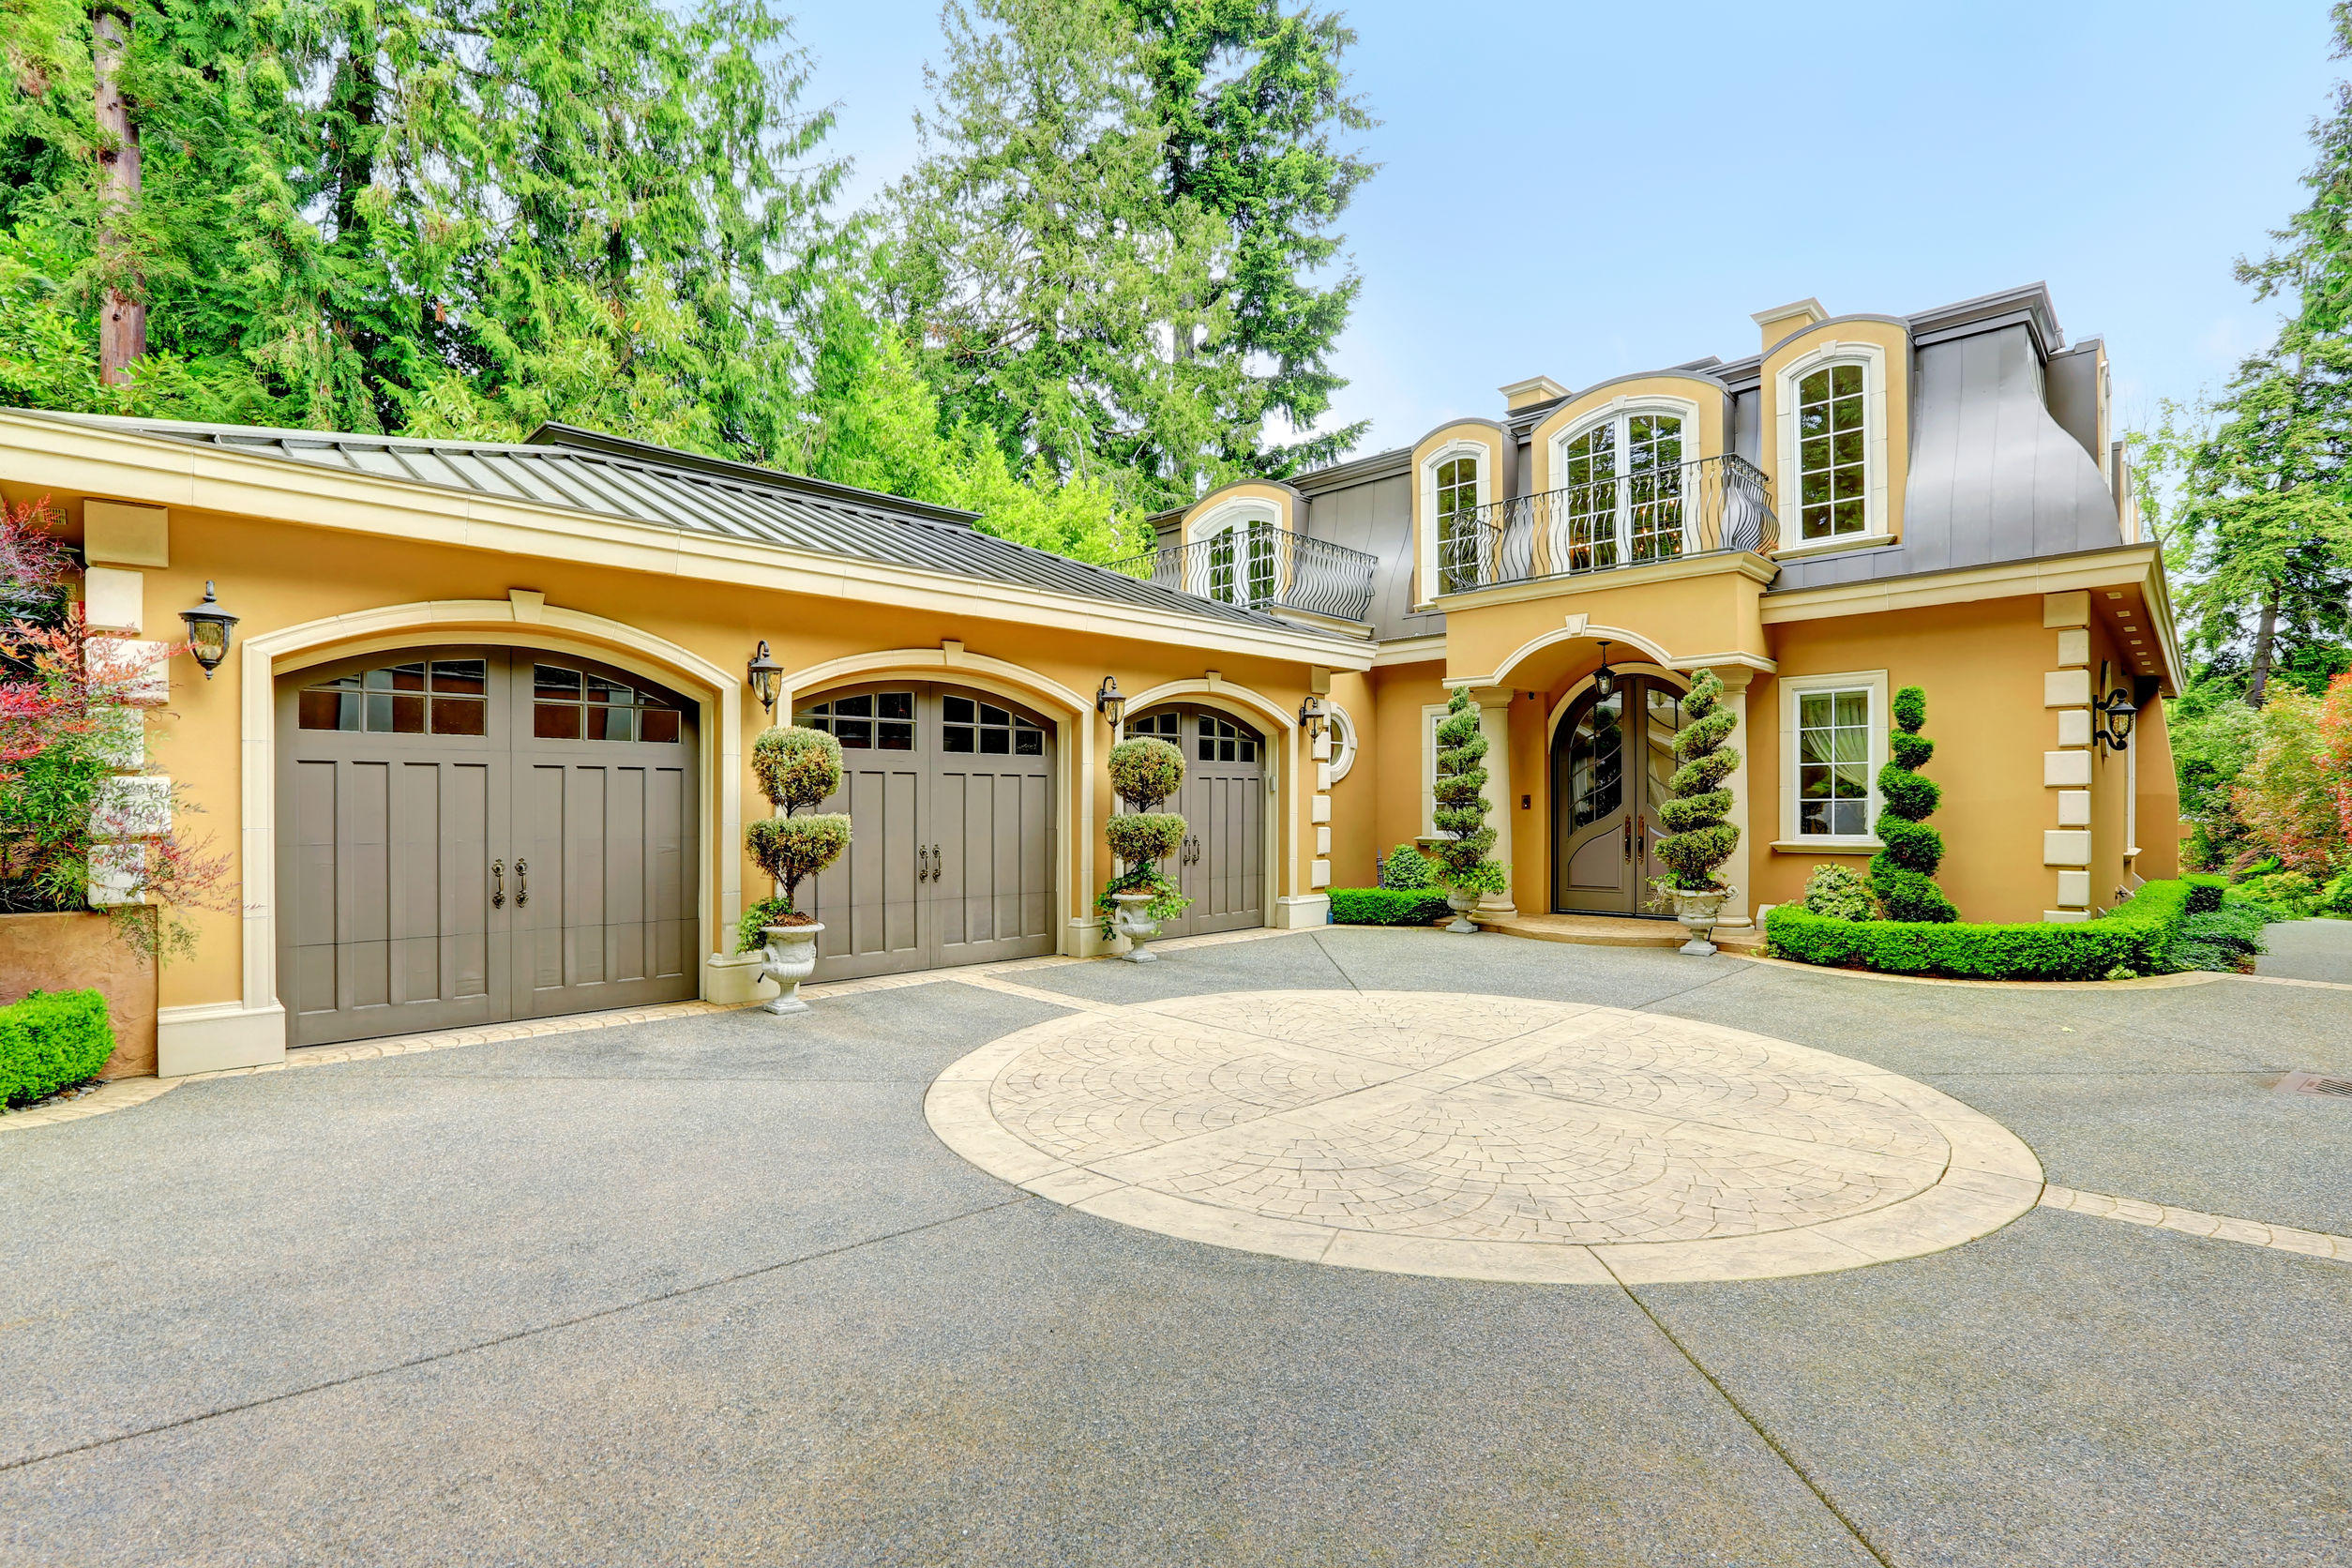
point(1833, 447)
point(1621, 482)
point(1233, 561)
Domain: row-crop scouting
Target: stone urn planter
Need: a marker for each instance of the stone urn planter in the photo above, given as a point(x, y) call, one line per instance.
point(792, 955)
point(1131, 918)
point(1461, 903)
point(1699, 909)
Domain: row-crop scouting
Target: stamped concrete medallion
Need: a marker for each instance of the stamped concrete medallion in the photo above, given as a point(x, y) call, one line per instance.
point(1481, 1137)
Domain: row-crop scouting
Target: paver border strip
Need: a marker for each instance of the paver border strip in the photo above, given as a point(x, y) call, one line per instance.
point(1991, 1178)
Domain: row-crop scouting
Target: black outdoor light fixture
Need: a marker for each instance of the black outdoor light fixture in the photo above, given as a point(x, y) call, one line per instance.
point(208, 629)
point(1603, 679)
point(763, 671)
point(2113, 718)
point(1107, 702)
point(1311, 716)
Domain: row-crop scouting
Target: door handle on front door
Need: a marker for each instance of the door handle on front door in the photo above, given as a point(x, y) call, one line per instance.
point(1629, 838)
point(498, 884)
point(523, 881)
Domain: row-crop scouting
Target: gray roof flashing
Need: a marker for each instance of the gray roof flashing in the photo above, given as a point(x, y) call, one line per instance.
point(573, 438)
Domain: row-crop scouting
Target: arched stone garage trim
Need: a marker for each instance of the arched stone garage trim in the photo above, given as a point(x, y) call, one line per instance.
point(252, 1031)
point(1243, 703)
point(1074, 747)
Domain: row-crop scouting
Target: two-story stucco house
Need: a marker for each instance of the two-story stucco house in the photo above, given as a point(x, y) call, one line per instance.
point(479, 749)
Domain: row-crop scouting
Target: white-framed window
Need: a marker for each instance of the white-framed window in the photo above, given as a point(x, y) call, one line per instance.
point(1832, 417)
point(1341, 730)
point(1456, 481)
point(1236, 558)
point(1622, 479)
point(1834, 741)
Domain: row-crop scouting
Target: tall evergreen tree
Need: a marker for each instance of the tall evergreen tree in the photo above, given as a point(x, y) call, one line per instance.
point(1248, 97)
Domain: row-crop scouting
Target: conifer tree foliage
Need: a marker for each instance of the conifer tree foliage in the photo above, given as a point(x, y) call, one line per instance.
point(1903, 872)
point(1460, 794)
point(1699, 840)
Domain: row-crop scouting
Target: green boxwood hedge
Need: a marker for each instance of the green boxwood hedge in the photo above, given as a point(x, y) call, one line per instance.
point(1388, 906)
point(49, 1041)
point(2138, 936)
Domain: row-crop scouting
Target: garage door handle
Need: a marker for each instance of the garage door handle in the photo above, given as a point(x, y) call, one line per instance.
point(939, 866)
point(498, 884)
point(523, 881)
point(921, 863)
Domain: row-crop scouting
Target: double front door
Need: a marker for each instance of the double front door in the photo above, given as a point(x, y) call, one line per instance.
point(1221, 866)
point(1611, 758)
point(468, 835)
point(950, 798)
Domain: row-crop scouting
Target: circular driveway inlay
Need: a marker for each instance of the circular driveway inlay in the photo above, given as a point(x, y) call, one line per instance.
point(1481, 1137)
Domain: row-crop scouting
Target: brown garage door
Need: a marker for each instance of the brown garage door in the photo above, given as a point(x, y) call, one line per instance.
point(1221, 866)
point(950, 796)
point(473, 835)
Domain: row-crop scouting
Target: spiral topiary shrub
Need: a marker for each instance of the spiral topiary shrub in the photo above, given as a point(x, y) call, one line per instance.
point(1461, 799)
point(797, 769)
point(1699, 840)
point(1903, 872)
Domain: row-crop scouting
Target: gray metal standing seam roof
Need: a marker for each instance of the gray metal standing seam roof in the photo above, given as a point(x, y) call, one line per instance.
point(586, 471)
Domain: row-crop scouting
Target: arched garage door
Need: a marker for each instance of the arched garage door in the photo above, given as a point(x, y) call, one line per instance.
point(950, 798)
point(467, 836)
point(1222, 863)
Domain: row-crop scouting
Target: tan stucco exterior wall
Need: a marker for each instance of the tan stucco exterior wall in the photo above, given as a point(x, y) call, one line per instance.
point(1355, 845)
point(1981, 667)
point(1399, 694)
point(2160, 825)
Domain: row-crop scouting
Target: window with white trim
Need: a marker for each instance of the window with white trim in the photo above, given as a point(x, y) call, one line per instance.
point(1342, 732)
point(1622, 484)
point(1834, 742)
point(1832, 454)
point(1457, 510)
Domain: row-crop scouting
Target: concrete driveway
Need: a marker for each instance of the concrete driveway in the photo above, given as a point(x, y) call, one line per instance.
point(709, 1290)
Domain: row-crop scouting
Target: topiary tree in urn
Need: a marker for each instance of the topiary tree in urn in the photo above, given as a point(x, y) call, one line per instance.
point(1699, 840)
point(797, 769)
point(1903, 872)
point(1463, 866)
point(1144, 773)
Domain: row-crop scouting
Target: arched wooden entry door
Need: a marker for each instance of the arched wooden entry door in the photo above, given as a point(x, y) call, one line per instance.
point(950, 798)
point(471, 835)
point(1611, 758)
point(1221, 864)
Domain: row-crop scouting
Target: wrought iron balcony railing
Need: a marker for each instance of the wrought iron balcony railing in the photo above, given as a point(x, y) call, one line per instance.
point(1706, 507)
point(1259, 565)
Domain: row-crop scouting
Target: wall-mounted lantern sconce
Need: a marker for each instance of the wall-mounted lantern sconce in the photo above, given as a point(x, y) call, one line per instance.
point(1107, 702)
point(763, 673)
point(1311, 716)
point(1603, 679)
point(208, 629)
point(2114, 720)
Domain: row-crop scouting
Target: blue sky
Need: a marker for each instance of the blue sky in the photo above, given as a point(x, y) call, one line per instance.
point(1580, 191)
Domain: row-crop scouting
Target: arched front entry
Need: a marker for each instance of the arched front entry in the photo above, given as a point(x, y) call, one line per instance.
point(949, 792)
point(468, 835)
point(1611, 758)
point(1221, 866)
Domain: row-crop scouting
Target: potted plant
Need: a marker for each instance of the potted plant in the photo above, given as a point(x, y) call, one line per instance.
point(1143, 772)
point(1464, 868)
point(797, 769)
point(1699, 840)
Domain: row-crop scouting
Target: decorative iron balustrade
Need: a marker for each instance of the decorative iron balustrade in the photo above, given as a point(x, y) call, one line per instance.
point(1259, 565)
point(1705, 506)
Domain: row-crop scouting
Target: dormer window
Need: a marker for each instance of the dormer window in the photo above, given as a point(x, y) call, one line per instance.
point(1456, 511)
point(1234, 556)
point(1620, 495)
point(1833, 454)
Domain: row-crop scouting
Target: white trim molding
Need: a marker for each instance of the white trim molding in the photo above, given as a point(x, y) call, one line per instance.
point(1343, 758)
point(252, 1032)
point(1876, 524)
point(1793, 687)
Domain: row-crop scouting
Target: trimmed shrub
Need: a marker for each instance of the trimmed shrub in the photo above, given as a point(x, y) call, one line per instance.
point(1839, 892)
point(2290, 895)
point(796, 768)
point(1387, 906)
point(1460, 795)
point(1145, 771)
point(1903, 872)
point(52, 1040)
point(1142, 836)
point(2336, 898)
point(1699, 840)
point(2139, 936)
point(2205, 892)
point(1407, 868)
point(792, 849)
point(2222, 938)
